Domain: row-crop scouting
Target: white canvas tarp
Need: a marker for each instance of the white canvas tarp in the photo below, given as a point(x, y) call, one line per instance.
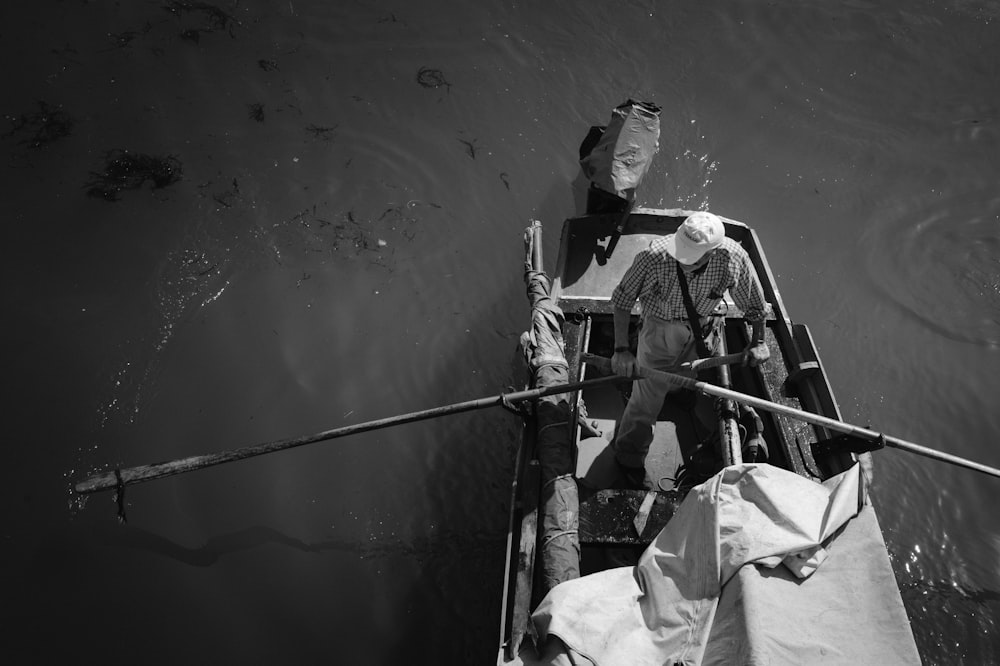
point(709, 589)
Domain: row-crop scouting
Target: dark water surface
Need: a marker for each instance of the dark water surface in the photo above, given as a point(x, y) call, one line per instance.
point(239, 222)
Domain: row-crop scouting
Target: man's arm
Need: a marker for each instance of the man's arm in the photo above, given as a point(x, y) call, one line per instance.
point(623, 300)
point(749, 297)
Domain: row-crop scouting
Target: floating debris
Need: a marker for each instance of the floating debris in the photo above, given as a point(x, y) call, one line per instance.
point(432, 78)
point(256, 111)
point(413, 203)
point(129, 171)
point(228, 198)
point(319, 132)
point(470, 147)
point(267, 65)
point(215, 19)
point(122, 40)
point(44, 126)
point(67, 53)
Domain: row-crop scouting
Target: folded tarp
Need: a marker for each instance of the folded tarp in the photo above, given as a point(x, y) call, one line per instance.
point(848, 612)
point(709, 589)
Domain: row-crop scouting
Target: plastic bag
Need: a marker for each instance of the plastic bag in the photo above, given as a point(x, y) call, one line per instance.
point(616, 159)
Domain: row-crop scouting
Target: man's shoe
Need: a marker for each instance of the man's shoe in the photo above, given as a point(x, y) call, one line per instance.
point(633, 477)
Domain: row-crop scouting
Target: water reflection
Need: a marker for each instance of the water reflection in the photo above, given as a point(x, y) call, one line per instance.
point(215, 548)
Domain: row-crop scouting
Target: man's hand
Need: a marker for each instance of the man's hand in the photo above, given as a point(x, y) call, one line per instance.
point(624, 364)
point(755, 354)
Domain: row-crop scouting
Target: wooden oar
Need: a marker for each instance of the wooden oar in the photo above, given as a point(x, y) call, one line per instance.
point(808, 417)
point(121, 477)
point(114, 478)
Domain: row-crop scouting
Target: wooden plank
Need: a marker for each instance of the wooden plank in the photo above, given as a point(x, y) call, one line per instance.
point(775, 376)
point(643, 514)
point(606, 516)
point(820, 396)
point(573, 306)
point(756, 251)
point(787, 371)
point(513, 532)
point(573, 333)
point(525, 574)
point(817, 395)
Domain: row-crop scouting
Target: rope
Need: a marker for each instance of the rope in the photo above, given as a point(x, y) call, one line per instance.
point(574, 535)
point(556, 478)
point(520, 409)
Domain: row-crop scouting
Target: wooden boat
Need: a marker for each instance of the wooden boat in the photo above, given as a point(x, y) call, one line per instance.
point(607, 529)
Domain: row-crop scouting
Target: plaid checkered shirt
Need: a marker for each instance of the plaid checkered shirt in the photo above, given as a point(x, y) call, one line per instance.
point(652, 279)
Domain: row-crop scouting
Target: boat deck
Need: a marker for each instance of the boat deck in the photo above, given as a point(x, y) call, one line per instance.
point(583, 283)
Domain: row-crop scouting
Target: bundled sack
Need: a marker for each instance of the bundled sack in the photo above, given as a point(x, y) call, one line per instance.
point(616, 158)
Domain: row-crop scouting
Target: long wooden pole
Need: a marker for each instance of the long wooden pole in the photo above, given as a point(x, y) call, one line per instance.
point(109, 480)
point(114, 478)
point(808, 417)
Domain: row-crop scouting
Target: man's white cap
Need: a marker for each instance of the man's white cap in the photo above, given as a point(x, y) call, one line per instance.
point(699, 233)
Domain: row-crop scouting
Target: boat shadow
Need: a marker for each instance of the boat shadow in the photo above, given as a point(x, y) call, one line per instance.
point(218, 546)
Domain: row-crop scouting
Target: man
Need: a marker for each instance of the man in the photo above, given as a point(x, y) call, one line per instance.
point(711, 264)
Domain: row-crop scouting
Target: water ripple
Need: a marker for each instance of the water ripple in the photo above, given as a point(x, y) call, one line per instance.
point(937, 258)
